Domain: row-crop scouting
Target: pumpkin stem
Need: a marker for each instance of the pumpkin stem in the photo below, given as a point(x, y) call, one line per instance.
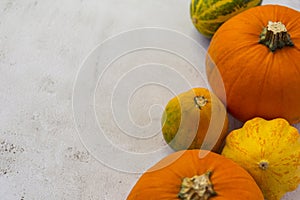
point(200, 101)
point(197, 188)
point(275, 36)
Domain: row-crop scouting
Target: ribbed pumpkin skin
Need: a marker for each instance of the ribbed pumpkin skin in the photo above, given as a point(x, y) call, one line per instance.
point(208, 15)
point(272, 141)
point(258, 82)
point(163, 180)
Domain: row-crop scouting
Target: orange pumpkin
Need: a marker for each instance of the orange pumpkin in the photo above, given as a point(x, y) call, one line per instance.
point(195, 119)
point(256, 53)
point(197, 175)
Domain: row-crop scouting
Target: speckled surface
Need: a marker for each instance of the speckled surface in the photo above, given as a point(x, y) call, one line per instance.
point(44, 153)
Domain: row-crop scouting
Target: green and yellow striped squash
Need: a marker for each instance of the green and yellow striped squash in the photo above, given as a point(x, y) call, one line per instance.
point(208, 15)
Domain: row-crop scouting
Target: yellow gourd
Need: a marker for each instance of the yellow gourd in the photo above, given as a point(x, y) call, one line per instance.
point(270, 151)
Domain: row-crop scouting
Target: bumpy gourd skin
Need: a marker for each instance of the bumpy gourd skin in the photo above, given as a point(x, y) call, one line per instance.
point(195, 119)
point(270, 152)
point(164, 180)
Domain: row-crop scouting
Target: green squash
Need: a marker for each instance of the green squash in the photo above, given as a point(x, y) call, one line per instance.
point(208, 15)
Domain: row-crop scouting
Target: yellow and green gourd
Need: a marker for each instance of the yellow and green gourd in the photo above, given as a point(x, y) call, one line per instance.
point(208, 15)
point(195, 119)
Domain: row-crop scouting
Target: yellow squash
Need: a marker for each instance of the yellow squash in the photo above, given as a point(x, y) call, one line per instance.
point(270, 151)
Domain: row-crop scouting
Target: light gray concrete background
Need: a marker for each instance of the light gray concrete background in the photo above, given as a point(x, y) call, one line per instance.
point(44, 154)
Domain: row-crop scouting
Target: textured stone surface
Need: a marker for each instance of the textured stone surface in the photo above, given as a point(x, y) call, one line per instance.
point(42, 46)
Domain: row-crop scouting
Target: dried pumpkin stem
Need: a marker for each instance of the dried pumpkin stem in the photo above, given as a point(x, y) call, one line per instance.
point(275, 36)
point(200, 101)
point(197, 188)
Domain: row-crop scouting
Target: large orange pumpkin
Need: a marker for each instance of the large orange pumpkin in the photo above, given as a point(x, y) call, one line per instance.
point(257, 54)
point(195, 175)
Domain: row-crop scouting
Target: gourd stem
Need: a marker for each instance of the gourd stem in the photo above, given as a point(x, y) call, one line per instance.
point(197, 188)
point(275, 36)
point(263, 164)
point(200, 101)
